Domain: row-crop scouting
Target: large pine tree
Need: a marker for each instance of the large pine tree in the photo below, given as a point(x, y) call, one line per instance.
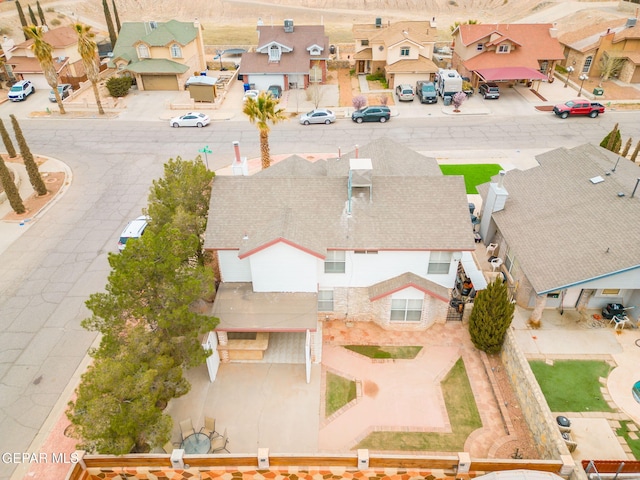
point(115, 14)
point(32, 16)
point(491, 316)
point(10, 189)
point(43, 20)
point(32, 169)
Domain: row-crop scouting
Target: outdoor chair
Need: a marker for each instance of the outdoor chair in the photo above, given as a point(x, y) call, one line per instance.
point(620, 322)
point(219, 443)
point(186, 428)
point(491, 249)
point(496, 263)
point(168, 447)
point(209, 428)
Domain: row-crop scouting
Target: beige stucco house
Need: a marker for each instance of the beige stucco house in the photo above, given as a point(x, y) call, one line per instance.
point(22, 64)
point(159, 55)
point(402, 51)
point(588, 48)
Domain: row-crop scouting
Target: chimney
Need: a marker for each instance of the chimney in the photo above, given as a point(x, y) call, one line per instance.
point(356, 151)
point(239, 165)
point(495, 202)
point(631, 22)
point(553, 32)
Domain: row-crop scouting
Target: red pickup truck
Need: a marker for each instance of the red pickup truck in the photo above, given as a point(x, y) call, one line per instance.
point(579, 106)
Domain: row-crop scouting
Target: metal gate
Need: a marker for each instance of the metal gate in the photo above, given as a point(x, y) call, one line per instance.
point(213, 360)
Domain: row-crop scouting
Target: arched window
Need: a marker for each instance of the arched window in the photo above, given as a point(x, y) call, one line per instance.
point(587, 64)
point(143, 51)
point(274, 53)
point(176, 51)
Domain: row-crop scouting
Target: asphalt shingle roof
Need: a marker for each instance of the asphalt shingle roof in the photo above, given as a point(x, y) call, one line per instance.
point(562, 228)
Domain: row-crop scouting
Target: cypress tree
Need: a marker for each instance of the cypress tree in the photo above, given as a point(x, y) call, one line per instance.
point(32, 16)
point(627, 146)
point(491, 316)
point(43, 20)
point(6, 139)
point(32, 169)
point(634, 155)
point(109, 20)
point(115, 14)
point(10, 189)
point(613, 140)
point(23, 19)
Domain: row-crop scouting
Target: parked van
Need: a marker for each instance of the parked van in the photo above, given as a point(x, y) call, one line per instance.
point(426, 91)
point(134, 229)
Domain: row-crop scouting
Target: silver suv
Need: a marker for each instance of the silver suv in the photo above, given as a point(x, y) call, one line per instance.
point(405, 92)
point(489, 90)
point(21, 90)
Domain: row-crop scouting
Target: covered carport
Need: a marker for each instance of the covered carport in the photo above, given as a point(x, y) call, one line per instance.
point(507, 74)
point(252, 323)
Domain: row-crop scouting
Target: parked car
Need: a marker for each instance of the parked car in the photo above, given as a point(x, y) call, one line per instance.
point(376, 113)
point(426, 91)
point(319, 115)
point(612, 309)
point(134, 229)
point(191, 119)
point(21, 90)
point(579, 106)
point(489, 90)
point(64, 89)
point(275, 91)
point(250, 94)
point(405, 92)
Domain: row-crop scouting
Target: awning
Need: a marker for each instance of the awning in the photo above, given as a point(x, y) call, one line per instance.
point(510, 73)
point(240, 309)
point(473, 272)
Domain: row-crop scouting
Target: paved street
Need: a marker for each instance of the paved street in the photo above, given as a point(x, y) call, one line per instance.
point(48, 272)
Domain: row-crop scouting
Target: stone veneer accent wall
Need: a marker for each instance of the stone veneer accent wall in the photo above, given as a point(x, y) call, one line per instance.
point(353, 304)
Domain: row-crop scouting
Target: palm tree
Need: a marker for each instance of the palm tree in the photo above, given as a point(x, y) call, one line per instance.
point(87, 49)
point(262, 111)
point(44, 53)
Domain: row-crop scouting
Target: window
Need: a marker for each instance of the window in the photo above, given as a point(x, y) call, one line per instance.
point(611, 291)
point(479, 47)
point(404, 52)
point(587, 64)
point(325, 300)
point(335, 261)
point(366, 252)
point(544, 65)
point(510, 260)
point(364, 43)
point(143, 51)
point(439, 262)
point(176, 51)
point(503, 48)
point(406, 310)
point(274, 53)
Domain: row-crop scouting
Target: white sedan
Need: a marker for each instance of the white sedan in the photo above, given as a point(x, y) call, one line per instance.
point(192, 119)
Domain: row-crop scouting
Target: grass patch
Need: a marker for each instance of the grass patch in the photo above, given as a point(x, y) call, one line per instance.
point(463, 415)
point(474, 174)
point(340, 391)
point(634, 444)
point(378, 351)
point(572, 385)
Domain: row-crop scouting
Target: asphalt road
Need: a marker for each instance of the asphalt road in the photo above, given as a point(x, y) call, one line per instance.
point(48, 273)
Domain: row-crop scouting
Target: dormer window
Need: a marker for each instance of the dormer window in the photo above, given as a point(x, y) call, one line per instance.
point(479, 47)
point(404, 52)
point(176, 51)
point(143, 51)
point(503, 48)
point(314, 51)
point(274, 53)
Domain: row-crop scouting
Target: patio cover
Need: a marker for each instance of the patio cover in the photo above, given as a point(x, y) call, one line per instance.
point(240, 309)
point(510, 73)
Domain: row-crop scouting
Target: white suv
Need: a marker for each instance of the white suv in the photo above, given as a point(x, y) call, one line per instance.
point(134, 229)
point(21, 90)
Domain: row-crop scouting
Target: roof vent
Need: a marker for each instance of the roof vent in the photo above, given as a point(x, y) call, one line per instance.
point(596, 180)
point(153, 25)
point(288, 26)
point(631, 22)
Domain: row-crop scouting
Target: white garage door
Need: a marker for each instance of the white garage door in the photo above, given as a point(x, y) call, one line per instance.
point(409, 78)
point(262, 82)
point(39, 81)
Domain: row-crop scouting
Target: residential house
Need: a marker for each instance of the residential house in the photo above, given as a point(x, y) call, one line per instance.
point(590, 47)
point(566, 229)
point(159, 55)
point(402, 51)
point(506, 52)
point(375, 235)
point(288, 56)
point(22, 64)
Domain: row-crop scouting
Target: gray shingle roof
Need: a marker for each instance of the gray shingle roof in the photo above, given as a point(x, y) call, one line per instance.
point(562, 228)
point(387, 287)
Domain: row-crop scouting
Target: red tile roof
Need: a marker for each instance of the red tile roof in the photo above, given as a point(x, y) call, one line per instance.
point(57, 37)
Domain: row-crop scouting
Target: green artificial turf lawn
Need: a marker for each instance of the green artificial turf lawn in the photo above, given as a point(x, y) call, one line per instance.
point(634, 444)
point(474, 174)
point(572, 385)
point(378, 351)
point(340, 391)
point(463, 415)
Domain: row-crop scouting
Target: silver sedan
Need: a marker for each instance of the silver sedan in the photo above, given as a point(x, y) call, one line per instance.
point(319, 115)
point(192, 119)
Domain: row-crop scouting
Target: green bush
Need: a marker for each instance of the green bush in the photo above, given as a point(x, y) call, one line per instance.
point(55, 22)
point(119, 86)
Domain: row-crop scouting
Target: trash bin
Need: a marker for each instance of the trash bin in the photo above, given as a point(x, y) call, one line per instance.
point(598, 91)
point(247, 87)
point(447, 100)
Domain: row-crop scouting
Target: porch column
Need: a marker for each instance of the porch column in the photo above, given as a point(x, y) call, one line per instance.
point(536, 315)
point(307, 355)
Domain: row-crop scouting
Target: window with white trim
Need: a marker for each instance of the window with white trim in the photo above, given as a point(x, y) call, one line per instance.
point(176, 51)
point(510, 260)
point(404, 52)
point(439, 262)
point(406, 310)
point(325, 300)
point(587, 64)
point(611, 291)
point(143, 51)
point(503, 48)
point(335, 261)
point(274, 53)
point(479, 47)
